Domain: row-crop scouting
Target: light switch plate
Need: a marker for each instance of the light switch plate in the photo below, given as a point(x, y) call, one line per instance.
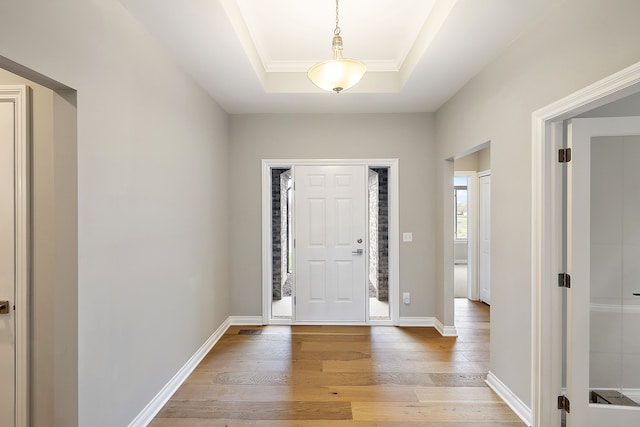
point(407, 237)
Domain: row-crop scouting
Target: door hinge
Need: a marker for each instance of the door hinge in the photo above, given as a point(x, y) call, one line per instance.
point(294, 300)
point(564, 155)
point(564, 280)
point(564, 404)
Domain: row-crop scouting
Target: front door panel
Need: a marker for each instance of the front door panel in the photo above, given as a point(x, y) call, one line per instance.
point(330, 241)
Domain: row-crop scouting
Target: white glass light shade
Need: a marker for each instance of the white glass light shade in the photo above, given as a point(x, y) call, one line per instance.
point(337, 74)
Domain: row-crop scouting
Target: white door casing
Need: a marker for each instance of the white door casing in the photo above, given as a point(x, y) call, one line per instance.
point(330, 243)
point(484, 238)
point(582, 240)
point(14, 250)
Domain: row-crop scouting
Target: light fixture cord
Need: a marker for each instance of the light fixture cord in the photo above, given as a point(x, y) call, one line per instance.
point(336, 45)
point(337, 30)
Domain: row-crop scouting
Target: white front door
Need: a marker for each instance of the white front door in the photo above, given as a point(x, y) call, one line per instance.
point(484, 231)
point(7, 265)
point(330, 243)
point(603, 260)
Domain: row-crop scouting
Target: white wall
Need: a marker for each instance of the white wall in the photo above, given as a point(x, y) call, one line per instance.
point(579, 43)
point(408, 137)
point(152, 157)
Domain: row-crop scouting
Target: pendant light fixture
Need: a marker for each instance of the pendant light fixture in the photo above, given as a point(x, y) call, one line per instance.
point(339, 73)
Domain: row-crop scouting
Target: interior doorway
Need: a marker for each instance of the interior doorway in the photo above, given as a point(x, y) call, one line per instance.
point(463, 233)
point(468, 168)
point(14, 253)
point(549, 135)
point(283, 197)
point(48, 306)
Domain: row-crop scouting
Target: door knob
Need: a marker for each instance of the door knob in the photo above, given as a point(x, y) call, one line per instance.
point(4, 307)
point(358, 252)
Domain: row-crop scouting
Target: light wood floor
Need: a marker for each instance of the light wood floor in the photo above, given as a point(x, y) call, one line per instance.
point(344, 376)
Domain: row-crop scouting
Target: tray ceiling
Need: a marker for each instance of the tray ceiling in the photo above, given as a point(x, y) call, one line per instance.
point(252, 55)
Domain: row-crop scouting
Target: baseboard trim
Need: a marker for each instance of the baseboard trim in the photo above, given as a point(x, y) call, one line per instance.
point(155, 405)
point(246, 320)
point(417, 321)
point(445, 331)
point(513, 401)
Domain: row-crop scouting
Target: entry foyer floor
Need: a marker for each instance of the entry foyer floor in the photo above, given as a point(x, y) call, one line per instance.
point(283, 309)
point(337, 376)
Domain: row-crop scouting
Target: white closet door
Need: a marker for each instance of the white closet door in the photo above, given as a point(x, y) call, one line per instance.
point(484, 231)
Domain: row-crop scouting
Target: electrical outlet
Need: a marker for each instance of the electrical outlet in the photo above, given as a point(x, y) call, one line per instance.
point(406, 297)
point(407, 237)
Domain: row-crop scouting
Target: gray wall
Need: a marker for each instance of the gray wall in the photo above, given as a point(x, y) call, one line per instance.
point(477, 161)
point(467, 163)
point(408, 137)
point(581, 42)
point(627, 106)
point(484, 159)
point(152, 203)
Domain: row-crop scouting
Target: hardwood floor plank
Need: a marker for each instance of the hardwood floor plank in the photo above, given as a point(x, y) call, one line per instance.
point(375, 393)
point(199, 422)
point(328, 379)
point(208, 392)
point(480, 356)
point(458, 380)
point(428, 356)
point(215, 365)
point(457, 394)
point(368, 347)
point(381, 424)
point(433, 412)
point(368, 365)
point(289, 410)
point(316, 423)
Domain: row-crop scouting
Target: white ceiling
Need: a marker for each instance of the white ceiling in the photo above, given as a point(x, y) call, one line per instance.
point(251, 56)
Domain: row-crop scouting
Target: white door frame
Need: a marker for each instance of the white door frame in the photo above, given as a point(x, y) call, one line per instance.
point(19, 96)
point(394, 227)
point(546, 229)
